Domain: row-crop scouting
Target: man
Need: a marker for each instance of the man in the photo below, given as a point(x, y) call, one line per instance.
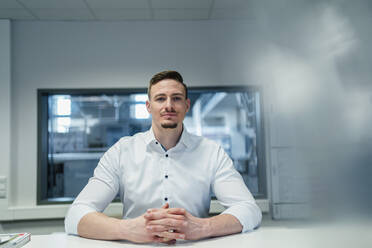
point(165, 178)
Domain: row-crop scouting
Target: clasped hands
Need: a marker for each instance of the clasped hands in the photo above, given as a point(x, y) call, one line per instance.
point(166, 225)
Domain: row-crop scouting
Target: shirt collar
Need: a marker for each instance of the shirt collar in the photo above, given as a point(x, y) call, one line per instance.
point(185, 137)
point(149, 136)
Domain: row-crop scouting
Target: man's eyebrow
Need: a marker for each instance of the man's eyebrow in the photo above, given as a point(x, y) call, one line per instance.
point(161, 94)
point(177, 94)
point(174, 94)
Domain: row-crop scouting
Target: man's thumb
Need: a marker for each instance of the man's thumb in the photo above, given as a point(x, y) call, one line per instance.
point(166, 205)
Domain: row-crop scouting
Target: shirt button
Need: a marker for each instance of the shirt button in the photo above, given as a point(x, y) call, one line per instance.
point(166, 155)
point(166, 176)
point(166, 198)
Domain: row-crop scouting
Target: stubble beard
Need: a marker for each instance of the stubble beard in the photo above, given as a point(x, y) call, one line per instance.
point(169, 125)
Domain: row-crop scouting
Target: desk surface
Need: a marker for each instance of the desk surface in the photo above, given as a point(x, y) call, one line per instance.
point(276, 237)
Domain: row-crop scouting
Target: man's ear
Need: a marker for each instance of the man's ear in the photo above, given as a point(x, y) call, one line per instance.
point(188, 104)
point(148, 106)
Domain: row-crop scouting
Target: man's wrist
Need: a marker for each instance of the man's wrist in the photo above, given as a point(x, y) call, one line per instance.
point(207, 228)
point(122, 229)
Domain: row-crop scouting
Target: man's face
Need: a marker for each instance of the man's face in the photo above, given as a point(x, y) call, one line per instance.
point(168, 104)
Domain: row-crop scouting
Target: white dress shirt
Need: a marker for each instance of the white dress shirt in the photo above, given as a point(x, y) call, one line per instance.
point(147, 176)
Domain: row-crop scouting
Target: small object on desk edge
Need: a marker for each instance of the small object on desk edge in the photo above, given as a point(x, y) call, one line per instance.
point(14, 240)
point(6, 237)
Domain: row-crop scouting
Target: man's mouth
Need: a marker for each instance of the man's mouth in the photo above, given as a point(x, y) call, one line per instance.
point(168, 114)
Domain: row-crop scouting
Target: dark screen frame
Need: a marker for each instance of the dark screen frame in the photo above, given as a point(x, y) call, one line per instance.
point(42, 131)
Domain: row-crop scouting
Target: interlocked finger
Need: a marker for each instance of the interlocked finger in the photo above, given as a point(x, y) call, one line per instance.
point(176, 211)
point(168, 222)
point(161, 215)
point(160, 228)
point(158, 239)
point(170, 235)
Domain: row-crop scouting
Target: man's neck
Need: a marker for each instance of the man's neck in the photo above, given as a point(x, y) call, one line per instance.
point(168, 137)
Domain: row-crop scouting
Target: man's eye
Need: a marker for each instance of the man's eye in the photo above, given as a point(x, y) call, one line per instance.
point(176, 98)
point(160, 99)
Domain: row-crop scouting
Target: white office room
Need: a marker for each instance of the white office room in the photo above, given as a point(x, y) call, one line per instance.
point(203, 123)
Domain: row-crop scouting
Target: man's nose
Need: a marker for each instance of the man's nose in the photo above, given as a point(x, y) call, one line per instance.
point(169, 104)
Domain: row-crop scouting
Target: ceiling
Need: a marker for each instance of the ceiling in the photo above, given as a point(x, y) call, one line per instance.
point(114, 10)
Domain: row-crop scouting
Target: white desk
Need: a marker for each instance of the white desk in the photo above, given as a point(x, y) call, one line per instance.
point(275, 237)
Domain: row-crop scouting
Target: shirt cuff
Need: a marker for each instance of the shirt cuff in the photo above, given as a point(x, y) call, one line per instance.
point(249, 216)
point(74, 215)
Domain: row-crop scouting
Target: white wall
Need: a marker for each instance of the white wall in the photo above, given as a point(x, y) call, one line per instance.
point(320, 96)
point(5, 112)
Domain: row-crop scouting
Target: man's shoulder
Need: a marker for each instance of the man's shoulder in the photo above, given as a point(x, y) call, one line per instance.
point(203, 141)
point(130, 140)
point(140, 136)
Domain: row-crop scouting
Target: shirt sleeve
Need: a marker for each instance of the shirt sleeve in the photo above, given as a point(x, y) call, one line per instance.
point(232, 193)
point(98, 193)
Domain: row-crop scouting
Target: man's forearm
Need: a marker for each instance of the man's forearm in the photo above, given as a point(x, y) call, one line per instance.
point(223, 224)
point(99, 226)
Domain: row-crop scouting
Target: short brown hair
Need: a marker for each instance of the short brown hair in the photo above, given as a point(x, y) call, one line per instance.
point(166, 75)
